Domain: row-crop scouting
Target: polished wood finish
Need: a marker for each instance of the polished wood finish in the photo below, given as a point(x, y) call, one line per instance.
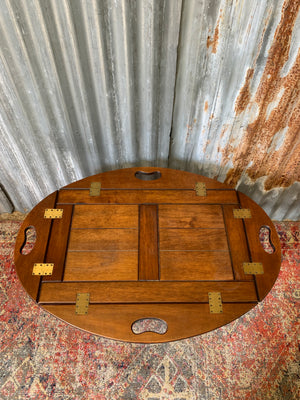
point(125, 178)
point(271, 262)
point(103, 239)
point(237, 242)
point(101, 266)
point(198, 216)
point(105, 216)
point(148, 243)
point(24, 263)
point(148, 292)
point(57, 246)
point(195, 265)
point(147, 248)
point(183, 320)
point(192, 239)
point(116, 196)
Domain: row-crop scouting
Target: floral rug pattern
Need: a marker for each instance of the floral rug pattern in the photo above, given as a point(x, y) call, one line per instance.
point(255, 357)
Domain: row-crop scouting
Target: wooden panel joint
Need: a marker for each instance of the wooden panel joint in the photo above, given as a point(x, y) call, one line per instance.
point(95, 189)
point(242, 213)
point(215, 302)
point(200, 189)
point(42, 269)
point(254, 268)
point(53, 213)
point(82, 303)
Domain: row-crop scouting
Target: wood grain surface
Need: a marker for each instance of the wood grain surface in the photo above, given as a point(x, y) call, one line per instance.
point(147, 196)
point(271, 262)
point(58, 241)
point(105, 216)
point(101, 265)
point(115, 320)
point(195, 265)
point(147, 292)
point(148, 243)
point(103, 239)
point(196, 216)
point(193, 239)
point(24, 263)
point(125, 178)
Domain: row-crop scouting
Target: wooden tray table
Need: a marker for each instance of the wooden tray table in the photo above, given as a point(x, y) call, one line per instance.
point(147, 254)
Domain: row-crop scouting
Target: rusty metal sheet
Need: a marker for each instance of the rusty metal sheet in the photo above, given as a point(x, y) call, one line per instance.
point(237, 118)
point(210, 87)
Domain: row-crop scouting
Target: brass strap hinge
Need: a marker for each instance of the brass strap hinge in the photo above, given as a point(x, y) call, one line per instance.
point(82, 303)
point(42, 269)
point(200, 189)
point(254, 268)
point(95, 189)
point(53, 213)
point(215, 302)
point(242, 213)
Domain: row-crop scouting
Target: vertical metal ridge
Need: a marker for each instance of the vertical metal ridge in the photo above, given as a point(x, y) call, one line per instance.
point(91, 48)
point(144, 74)
point(122, 65)
point(76, 92)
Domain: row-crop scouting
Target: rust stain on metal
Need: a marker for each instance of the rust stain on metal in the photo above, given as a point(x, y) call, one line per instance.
point(205, 146)
point(206, 106)
point(190, 131)
point(213, 41)
point(244, 96)
point(280, 165)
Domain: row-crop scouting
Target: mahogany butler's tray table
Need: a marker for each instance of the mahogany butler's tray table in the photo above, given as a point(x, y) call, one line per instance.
point(147, 255)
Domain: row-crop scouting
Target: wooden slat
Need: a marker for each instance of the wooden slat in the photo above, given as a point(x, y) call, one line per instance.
point(237, 243)
point(192, 216)
point(57, 247)
point(195, 265)
point(192, 239)
point(105, 216)
point(24, 263)
point(148, 243)
point(147, 196)
point(115, 320)
point(101, 265)
point(271, 262)
point(103, 239)
point(147, 292)
point(125, 178)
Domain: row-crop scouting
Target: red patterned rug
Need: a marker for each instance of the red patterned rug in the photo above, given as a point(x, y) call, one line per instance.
point(254, 357)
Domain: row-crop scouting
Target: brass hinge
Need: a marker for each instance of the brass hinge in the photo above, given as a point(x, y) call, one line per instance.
point(95, 189)
point(82, 303)
point(53, 213)
point(242, 213)
point(254, 268)
point(200, 189)
point(215, 302)
point(42, 269)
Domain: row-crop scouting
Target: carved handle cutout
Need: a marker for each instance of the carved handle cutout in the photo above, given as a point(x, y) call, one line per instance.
point(155, 325)
point(29, 240)
point(147, 176)
point(265, 239)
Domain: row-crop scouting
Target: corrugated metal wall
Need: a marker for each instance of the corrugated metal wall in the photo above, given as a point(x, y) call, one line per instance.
point(208, 86)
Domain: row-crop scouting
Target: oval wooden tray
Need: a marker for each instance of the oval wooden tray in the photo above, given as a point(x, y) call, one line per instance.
point(147, 254)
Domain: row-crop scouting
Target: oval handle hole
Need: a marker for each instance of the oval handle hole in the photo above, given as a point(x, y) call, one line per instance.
point(155, 325)
point(147, 176)
point(265, 239)
point(29, 240)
